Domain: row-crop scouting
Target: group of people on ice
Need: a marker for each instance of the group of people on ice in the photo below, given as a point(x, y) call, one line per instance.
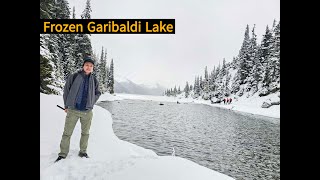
point(227, 100)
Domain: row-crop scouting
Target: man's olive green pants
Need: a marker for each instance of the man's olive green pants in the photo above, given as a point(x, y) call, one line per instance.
point(70, 123)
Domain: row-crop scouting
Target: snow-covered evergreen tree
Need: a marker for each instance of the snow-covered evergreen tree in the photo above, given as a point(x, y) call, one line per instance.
point(223, 69)
point(265, 56)
point(276, 54)
point(243, 65)
point(252, 52)
point(205, 84)
point(111, 78)
point(244, 57)
point(175, 92)
point(227, 89)
point(46, 9)
point(212, 80)
point(186, 90)
point(275, 60)
point(46, 68)
point(201, 84)
point(196, 87)
point(86, 14)
point(83, 43)
point(103, 71)
point(257, 72)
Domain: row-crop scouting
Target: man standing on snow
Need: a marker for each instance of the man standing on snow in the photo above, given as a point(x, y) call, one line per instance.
point(81, 92)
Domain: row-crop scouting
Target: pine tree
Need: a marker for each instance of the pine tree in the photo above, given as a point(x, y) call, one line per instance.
point(73, 13)
point(46, 9)
point(200, 84)
point(235, 86)
point(234, 62)
point(266, 47)
point(186, 90)
point(227, 90)
point(61, 10)
point(105, 79)
point(69, 66)
point(96, 68)
point(274, 24)
point(276, 54)
point(266, 79)
point(205, 83)
point(46, 63)
point(257, 71)
point(252, 52)
point(242, 64)
point(266, 50)
point(206, 77)
point(86, 14)
point(83, 43)
point(111, 78)
point(223, 69)
point(65, 60)
point(271, 83)
point(72, 48)
point(244, 57)
point(103, 71)
point(175, 92)
point(212, 80)
point(59, 44)
point(46, 76)
point(219, 93)
point(53, 47)
point(195, 85)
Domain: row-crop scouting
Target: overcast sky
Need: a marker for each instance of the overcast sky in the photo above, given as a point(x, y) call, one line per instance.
point(205, 32)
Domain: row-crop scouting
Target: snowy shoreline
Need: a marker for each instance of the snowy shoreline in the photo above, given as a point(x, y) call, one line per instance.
point(110, 157)
point(250, 105)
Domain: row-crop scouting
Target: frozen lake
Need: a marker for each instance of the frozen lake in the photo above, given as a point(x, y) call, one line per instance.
point(243, 146)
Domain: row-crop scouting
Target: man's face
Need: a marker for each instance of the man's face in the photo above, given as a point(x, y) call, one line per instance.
point(88, 67)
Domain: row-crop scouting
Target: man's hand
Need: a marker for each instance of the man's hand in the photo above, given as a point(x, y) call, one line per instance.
point(66, 110)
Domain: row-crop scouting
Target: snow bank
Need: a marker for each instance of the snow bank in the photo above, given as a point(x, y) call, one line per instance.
point(110, 157)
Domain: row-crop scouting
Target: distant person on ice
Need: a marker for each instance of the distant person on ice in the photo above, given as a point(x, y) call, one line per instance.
point(81, 92)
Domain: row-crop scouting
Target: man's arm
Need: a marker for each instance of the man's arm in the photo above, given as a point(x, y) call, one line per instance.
point(97, 91)
point(66, 89)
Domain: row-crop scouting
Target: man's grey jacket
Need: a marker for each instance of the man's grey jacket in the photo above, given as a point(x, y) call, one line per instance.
point(71, 90)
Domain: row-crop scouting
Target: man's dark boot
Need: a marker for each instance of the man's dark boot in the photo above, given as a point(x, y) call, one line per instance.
point(59, 158)
point(83, 155)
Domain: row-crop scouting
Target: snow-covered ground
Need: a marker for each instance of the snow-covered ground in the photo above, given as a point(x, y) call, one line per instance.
point(242, 104)
point(110, 157)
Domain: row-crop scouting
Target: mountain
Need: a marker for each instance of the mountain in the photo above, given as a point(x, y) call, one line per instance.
point(124, 85)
